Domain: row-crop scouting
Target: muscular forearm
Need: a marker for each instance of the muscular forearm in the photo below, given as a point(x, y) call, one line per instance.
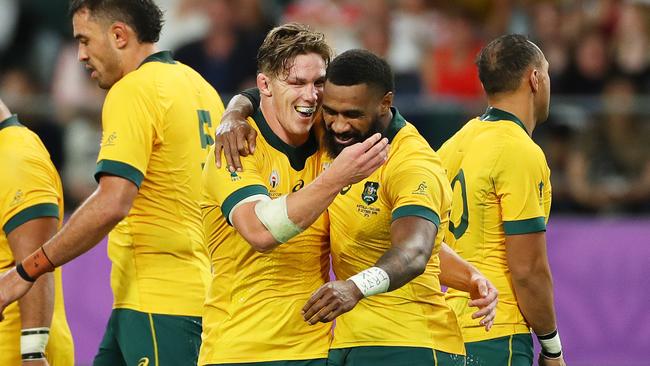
point(535, 297)
point(239, 107)
point(37, 305)
point(88, 225)
point(455, 272)
point(307, 204)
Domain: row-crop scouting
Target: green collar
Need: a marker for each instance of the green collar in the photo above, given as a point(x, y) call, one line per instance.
point(297, 155)
point(11, 121)
point(395, 125)
point(495, 114)
point(162, 56)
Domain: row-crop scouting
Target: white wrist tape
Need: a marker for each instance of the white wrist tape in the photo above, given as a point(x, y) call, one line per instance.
point(34, 340)
point(273, 214)
point(371, 281)
point(551, 344)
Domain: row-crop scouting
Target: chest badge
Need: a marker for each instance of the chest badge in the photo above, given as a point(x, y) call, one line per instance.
point(369, 194)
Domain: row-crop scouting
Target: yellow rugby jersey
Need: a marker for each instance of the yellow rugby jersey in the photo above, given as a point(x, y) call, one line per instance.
point(157, 128)
point(253, 310)
point(501, 185)
point(30, 188)
point(411, 183)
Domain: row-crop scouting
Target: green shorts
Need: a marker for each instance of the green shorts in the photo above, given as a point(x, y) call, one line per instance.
point(512, 350)
point(392, 356)
point(134, 338)
point(316, 362)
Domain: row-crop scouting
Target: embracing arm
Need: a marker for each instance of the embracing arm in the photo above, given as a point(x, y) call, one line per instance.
point(234, 135)
point(268, 223)
point(412, 240)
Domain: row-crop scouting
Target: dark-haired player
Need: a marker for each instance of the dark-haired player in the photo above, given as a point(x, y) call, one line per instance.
point(502, 198)
point(157, 120)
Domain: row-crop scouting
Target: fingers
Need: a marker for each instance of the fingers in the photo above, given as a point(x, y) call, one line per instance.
point(309, 309)
point(218, 146)
point(252, 140)
point(370, 142)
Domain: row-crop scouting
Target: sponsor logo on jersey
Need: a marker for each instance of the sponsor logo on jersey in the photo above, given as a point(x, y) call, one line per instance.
point(298, 186)
point(422, 189)
point(18, 197)
point(274, 179)
point(234, 177)
point(111, 139)
point(144, 361)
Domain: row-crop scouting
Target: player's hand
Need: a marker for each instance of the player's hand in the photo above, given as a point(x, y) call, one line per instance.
point(331, 300)
point(543, 361)
point(356, 162)
point(35, 363)
point(236, 138)
point(485, 297)
point(12, 288)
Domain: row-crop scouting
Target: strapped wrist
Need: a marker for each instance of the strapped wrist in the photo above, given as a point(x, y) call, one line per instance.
point(550, 344)
point(33, 342)
point(371, 281)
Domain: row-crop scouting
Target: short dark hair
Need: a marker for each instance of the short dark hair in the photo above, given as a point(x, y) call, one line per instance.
point(355, 67)
point(144, 16)
point(502, 63)
point(283, 43)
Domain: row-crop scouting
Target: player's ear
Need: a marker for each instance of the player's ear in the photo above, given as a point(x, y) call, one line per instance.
point(534, 80)
point(119, 34)
point(264, 84)
point(386, 102)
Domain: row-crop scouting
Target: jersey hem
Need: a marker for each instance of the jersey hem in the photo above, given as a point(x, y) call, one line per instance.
point(142, 309)
point(418, 211)
point(242, 193)
point(459, 351)
point(120, 169)
point(215, 361)
point(30, 213)
point(528, 226)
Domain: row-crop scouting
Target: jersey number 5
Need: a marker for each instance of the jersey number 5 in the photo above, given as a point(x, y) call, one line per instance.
point(205, 123)
point(459, 230)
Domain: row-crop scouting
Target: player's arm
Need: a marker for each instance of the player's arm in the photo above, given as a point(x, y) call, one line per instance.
point(92, 221)
point(37, 305)
point(234, 135)
point(533, 285)
point(457, 273)
point(265, 224)
point(412, 241)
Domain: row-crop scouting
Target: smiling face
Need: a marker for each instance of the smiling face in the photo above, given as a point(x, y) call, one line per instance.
point(351, 114)
point(296, 95)
point(96, 50)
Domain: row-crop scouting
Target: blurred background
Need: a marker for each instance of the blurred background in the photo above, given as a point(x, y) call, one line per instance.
point(596, 139)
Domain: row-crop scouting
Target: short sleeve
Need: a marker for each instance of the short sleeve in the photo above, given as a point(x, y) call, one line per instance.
point(29, 191)
point(521, 182)
point(128, 131)
point(225, 189)
point(415, 184)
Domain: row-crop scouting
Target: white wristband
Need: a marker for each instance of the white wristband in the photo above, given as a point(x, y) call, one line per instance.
point(275, 217)
point(551, 344)
point(371, 281)
point(34, 341)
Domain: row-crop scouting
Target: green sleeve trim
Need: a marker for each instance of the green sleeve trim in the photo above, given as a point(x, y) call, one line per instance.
point(419, 211)
point(534, 225)
point(120, 169)
point(30, 213)
point(242, 193)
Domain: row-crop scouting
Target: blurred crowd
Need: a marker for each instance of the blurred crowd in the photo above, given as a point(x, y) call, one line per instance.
point(596, 140)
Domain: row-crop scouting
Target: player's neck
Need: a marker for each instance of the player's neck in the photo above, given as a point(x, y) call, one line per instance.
point(137, 55)
point(518, 105)
point(272, 120)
